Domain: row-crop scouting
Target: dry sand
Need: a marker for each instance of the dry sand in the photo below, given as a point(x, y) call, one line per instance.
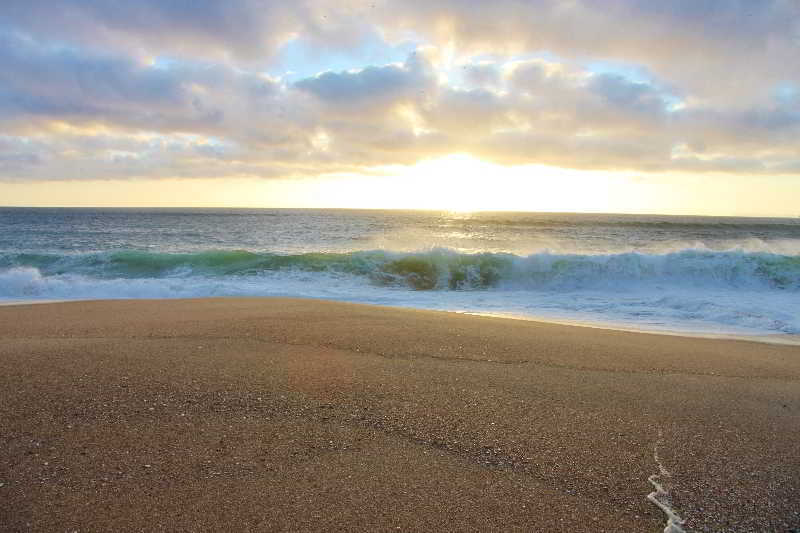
point(292, 415)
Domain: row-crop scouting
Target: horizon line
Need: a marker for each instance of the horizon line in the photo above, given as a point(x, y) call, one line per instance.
point(426, 210)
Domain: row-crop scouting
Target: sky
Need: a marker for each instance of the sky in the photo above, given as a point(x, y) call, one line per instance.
point(639, 106)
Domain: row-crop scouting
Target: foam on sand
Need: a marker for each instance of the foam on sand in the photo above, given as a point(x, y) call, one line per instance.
point(660, 496)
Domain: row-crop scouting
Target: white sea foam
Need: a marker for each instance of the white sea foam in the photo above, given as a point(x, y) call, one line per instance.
point(660, 496)
point(687, 274)
point(748, 311)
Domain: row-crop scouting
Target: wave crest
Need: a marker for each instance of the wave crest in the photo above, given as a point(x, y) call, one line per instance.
point(438, 269)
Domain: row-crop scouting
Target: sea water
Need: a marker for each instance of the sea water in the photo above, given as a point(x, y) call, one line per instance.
point(717, 275)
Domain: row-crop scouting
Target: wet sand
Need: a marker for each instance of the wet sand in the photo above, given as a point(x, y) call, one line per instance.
point(298, 415)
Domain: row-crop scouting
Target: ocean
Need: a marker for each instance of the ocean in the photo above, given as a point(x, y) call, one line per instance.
point(706, 275)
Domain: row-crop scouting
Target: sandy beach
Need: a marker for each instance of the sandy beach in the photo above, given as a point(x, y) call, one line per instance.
point(304, 415)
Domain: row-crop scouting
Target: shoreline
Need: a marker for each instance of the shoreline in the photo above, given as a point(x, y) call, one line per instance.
point(307, 415)
point(766, 338)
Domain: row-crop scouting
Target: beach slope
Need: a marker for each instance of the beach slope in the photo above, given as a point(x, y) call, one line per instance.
point(304, 415)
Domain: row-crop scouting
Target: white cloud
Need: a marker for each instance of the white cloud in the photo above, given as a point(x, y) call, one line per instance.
point(87, 90)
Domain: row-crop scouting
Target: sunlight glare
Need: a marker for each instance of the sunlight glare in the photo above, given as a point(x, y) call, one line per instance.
point(461, 182)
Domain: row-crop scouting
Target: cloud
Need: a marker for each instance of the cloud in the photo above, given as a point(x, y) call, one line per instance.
point(627, 95)
point(64, 82)
point(243, 30)
point(95, 88)
point(706, 46)
point(714, 48)
point(370, 86)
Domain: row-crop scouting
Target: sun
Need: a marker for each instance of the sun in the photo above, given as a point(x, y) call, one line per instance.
point(456, 182)
point(464, 183)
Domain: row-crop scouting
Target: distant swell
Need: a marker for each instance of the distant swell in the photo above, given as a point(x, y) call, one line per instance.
point(438, 269)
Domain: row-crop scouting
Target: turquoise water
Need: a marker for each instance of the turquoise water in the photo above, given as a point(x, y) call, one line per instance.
point(703, 274)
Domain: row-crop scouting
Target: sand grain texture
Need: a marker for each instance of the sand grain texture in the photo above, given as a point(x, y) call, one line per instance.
point(297, 415)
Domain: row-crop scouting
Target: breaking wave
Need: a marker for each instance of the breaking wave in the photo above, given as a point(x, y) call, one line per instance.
point(692, 290)
point(437, 269)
